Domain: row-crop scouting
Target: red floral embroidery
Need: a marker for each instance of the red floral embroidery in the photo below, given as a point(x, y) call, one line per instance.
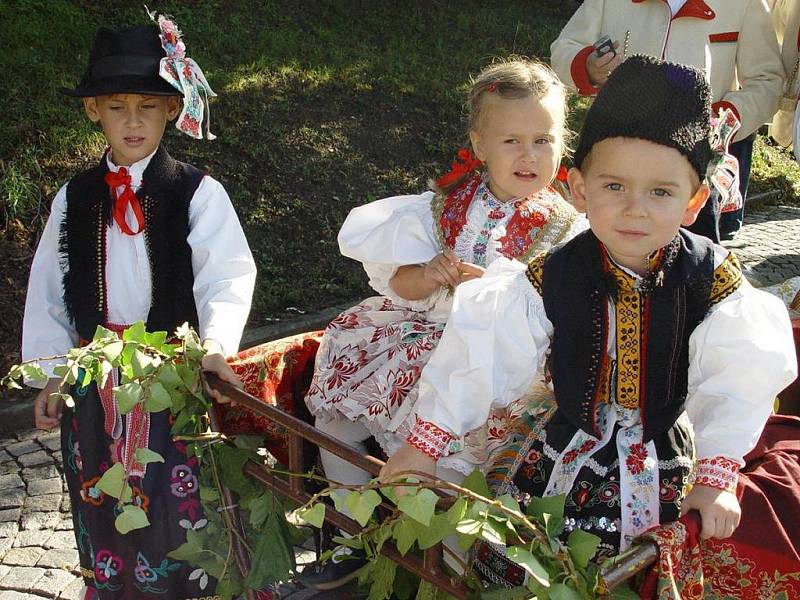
point(344, 368)
point(583, 449)
point(635, 460)
point(401, 382)
point(718, 472)
point(529, 217)
point(429, 439)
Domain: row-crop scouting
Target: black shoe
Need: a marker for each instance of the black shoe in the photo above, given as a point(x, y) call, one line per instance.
point(333, 573)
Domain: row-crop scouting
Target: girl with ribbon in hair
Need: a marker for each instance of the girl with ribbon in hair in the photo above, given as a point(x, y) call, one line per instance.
point(138, 237)
point(497, 200)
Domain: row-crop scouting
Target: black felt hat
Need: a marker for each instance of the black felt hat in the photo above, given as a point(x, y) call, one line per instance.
point(653, 100)
point(124, 62)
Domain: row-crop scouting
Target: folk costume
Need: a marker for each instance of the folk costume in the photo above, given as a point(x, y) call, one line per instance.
point(732, 41)
point(372, 355)
point(636, 362)
point(157, 241)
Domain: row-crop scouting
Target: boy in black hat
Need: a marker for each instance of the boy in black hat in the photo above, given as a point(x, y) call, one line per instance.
point(138, 237)
point(642, 321)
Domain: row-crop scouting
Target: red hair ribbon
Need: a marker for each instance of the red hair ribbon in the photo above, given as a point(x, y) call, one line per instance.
point(122, 179)
point(458, 169)
point(492, 87)
point(561, 174)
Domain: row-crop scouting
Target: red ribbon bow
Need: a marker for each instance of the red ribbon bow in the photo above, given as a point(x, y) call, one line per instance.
point(121, 201)
point(468, 164)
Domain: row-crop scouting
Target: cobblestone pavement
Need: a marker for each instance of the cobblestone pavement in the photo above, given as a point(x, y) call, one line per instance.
point(37, 544)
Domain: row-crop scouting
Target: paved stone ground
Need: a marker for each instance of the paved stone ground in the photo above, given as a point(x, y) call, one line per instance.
point(37, 545)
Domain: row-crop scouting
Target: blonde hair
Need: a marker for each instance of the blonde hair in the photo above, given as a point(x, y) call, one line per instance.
point(512, 78)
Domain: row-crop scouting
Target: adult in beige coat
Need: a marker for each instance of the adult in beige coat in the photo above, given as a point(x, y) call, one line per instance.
point(732, 40)
point(786, 17)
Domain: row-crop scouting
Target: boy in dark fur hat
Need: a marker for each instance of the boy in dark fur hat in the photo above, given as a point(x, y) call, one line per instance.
point(646, 324)
point(138, 237)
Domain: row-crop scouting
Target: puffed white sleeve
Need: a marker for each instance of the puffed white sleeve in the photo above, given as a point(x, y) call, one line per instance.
point(740, 357)
point(223, 266)
point(47, 330)
point(493, 346)
point(387, 234)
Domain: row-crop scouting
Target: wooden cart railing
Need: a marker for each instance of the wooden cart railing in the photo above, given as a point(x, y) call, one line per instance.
point(429, 566)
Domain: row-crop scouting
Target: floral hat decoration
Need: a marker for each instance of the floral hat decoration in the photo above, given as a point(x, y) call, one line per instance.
point(186, 76)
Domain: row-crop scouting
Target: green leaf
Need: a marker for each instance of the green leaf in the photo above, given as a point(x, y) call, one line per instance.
point(493, 532)
point(560, 591)
point(168, 376)
point(438, 529)
point(101, 333)
point(158, 399)
point(112, 481)
point(313, 516)
point(530, 563)
point(105, 371)
point(135, 333)
point(112, 350)
point(127, 396)
point(33, 372)
point(382, 579)
point(259, 508)
point(141, 363)
point(272, 560)
point(549, 511)
point(361, 505)
point(405, 535)
point(456, 512)
point(510, 502)
point(60, 370)
point(155, 339)
point(419, 506)
point(517, 593)
point(476, 482)
point(623, 592)
point(582, 547)
point(132, 517)
point(469, 526)
point(146, 456)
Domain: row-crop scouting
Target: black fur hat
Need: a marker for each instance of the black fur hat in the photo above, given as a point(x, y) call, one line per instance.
point(124, 62)
point(653, 100)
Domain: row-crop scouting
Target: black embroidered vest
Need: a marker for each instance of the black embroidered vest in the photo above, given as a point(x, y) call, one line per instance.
point(576, 288)
point(167, 189)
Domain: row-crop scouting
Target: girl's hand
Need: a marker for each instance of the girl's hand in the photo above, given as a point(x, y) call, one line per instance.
point(407, 458)
point(214, 362)
point(442, 270)
point(45, 414)
point(469, 271)
point(719, 510)
point(600, 68)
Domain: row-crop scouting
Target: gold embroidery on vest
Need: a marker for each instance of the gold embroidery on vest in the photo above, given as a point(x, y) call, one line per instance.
point(628, 311)
point(535, 271)
point(727, 279)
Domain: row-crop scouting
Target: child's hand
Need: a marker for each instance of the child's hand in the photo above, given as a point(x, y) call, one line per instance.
point(214, 362)
point(447, 269)
point(46, 416)
point(719, 510)
point(599, 68)
point(407, 458)
point(442, 270)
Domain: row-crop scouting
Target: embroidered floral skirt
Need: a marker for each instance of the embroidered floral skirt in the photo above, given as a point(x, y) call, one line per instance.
point(368, 367)
point(593, 503)
point(133, 566)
